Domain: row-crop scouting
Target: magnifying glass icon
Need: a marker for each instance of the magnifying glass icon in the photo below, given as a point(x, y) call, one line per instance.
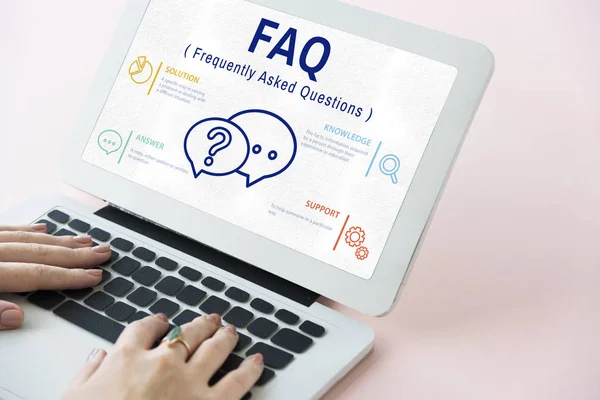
point(390, 165)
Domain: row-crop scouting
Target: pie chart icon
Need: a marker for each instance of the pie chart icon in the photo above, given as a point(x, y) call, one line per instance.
point(140, 70)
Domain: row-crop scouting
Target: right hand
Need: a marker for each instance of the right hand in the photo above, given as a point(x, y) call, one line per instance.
point(133, 370)
point(32, 260)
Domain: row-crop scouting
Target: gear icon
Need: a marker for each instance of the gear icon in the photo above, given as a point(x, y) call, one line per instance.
point(362, 253)
point(355, 236)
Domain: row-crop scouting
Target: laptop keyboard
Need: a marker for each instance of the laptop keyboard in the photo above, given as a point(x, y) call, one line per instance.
point(134, 286)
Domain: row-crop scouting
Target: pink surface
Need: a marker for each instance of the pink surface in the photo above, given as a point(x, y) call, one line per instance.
point(504, 301)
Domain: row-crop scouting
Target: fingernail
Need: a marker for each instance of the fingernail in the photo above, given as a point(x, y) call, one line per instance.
point(162, 316)
point(39, 227)
point(94, 272)
point(11, 319)
point(231, 329)
point(93, 354)
point(257, 358)
point(216, 318)
point(82, 239)
point(103, 248)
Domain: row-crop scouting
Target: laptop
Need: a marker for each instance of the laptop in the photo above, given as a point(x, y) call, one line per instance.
point(254, 156)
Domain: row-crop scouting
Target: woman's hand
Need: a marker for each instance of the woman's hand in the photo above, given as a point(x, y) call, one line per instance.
point(132, 370)
point(32, 260)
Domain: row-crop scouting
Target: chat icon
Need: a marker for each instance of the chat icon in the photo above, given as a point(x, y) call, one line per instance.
point(216, 146)
point(272, 144)
point(110, 141)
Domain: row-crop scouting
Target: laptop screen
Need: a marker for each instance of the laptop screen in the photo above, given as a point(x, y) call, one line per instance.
point(300, 133)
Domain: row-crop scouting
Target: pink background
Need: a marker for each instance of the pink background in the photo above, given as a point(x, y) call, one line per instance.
point(504, 301)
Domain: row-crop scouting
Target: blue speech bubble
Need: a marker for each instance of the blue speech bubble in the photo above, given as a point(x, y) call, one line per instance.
point(272, 142)
point(216, 147)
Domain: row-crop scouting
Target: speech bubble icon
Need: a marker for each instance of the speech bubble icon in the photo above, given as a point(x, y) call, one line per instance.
point(110, 141)
point(215, 146)
point(272, 141)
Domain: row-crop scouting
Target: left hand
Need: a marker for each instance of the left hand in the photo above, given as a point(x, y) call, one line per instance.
point(32, 260)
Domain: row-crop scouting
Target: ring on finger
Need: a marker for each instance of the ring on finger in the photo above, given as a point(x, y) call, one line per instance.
point(174, 336)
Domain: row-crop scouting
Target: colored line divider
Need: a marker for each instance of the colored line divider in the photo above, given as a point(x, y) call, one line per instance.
point(341, 232)
point(154, 80)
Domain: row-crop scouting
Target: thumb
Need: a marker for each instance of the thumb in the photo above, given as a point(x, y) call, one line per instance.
point(11, 315)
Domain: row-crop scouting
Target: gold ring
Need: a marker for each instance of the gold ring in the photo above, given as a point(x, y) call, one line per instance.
point(174, 336)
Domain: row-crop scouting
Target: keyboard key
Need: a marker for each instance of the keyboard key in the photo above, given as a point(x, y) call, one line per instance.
point(237, 294)
point(46, 299)
point(274, 357)
point(312, 329)
point(137, 316)
point(118, 287)
point(99, 234)
point(89, 320)
point(191, 295)
point(120, 311)
point(166, 263)
point(65, 232)
point(185, 317)
point(262, 327)
point(99, 301)
point(265, 377)
point(287, 317)
point(146, 276)
point(126, 266)
point(214, 305)
point(169, 286)
point(78, 294)
point(105, 276)
point(262, 306)
point(142, 296)
point(50, 226)
point(113, 257)
point(243, 342)
point(144, 254)
point(165, 306)
point(292, 340)
point(79, 225)
point(122, 244)
point(58, 216)
point(213, 284)
point(233, 362)
point(190, 274)
point(238, 317)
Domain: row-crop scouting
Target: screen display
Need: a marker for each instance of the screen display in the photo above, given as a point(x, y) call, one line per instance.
point(303, 134)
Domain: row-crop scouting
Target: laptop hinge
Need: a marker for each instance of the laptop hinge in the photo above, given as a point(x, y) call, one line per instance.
point(207, 254)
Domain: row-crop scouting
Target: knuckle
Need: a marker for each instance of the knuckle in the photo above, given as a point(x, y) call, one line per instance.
point(38, 271)
point(164, 362)
point(21, 236)
point(39, 249)
point(127, 350)
point(216, 346)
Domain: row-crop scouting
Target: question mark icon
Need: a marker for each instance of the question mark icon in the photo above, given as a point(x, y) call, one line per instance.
point(222, 143)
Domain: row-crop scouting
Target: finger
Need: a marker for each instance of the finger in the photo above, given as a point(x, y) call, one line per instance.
point(73, 242)
point(194, 333)
point(144, 332)
point(54, 255)
point(213, 352)
point(41, 228)
point(19, 277)
point(91, 365)
point(11, 315)
point(238, 382)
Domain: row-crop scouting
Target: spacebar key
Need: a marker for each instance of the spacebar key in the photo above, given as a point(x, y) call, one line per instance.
point(90, 320)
